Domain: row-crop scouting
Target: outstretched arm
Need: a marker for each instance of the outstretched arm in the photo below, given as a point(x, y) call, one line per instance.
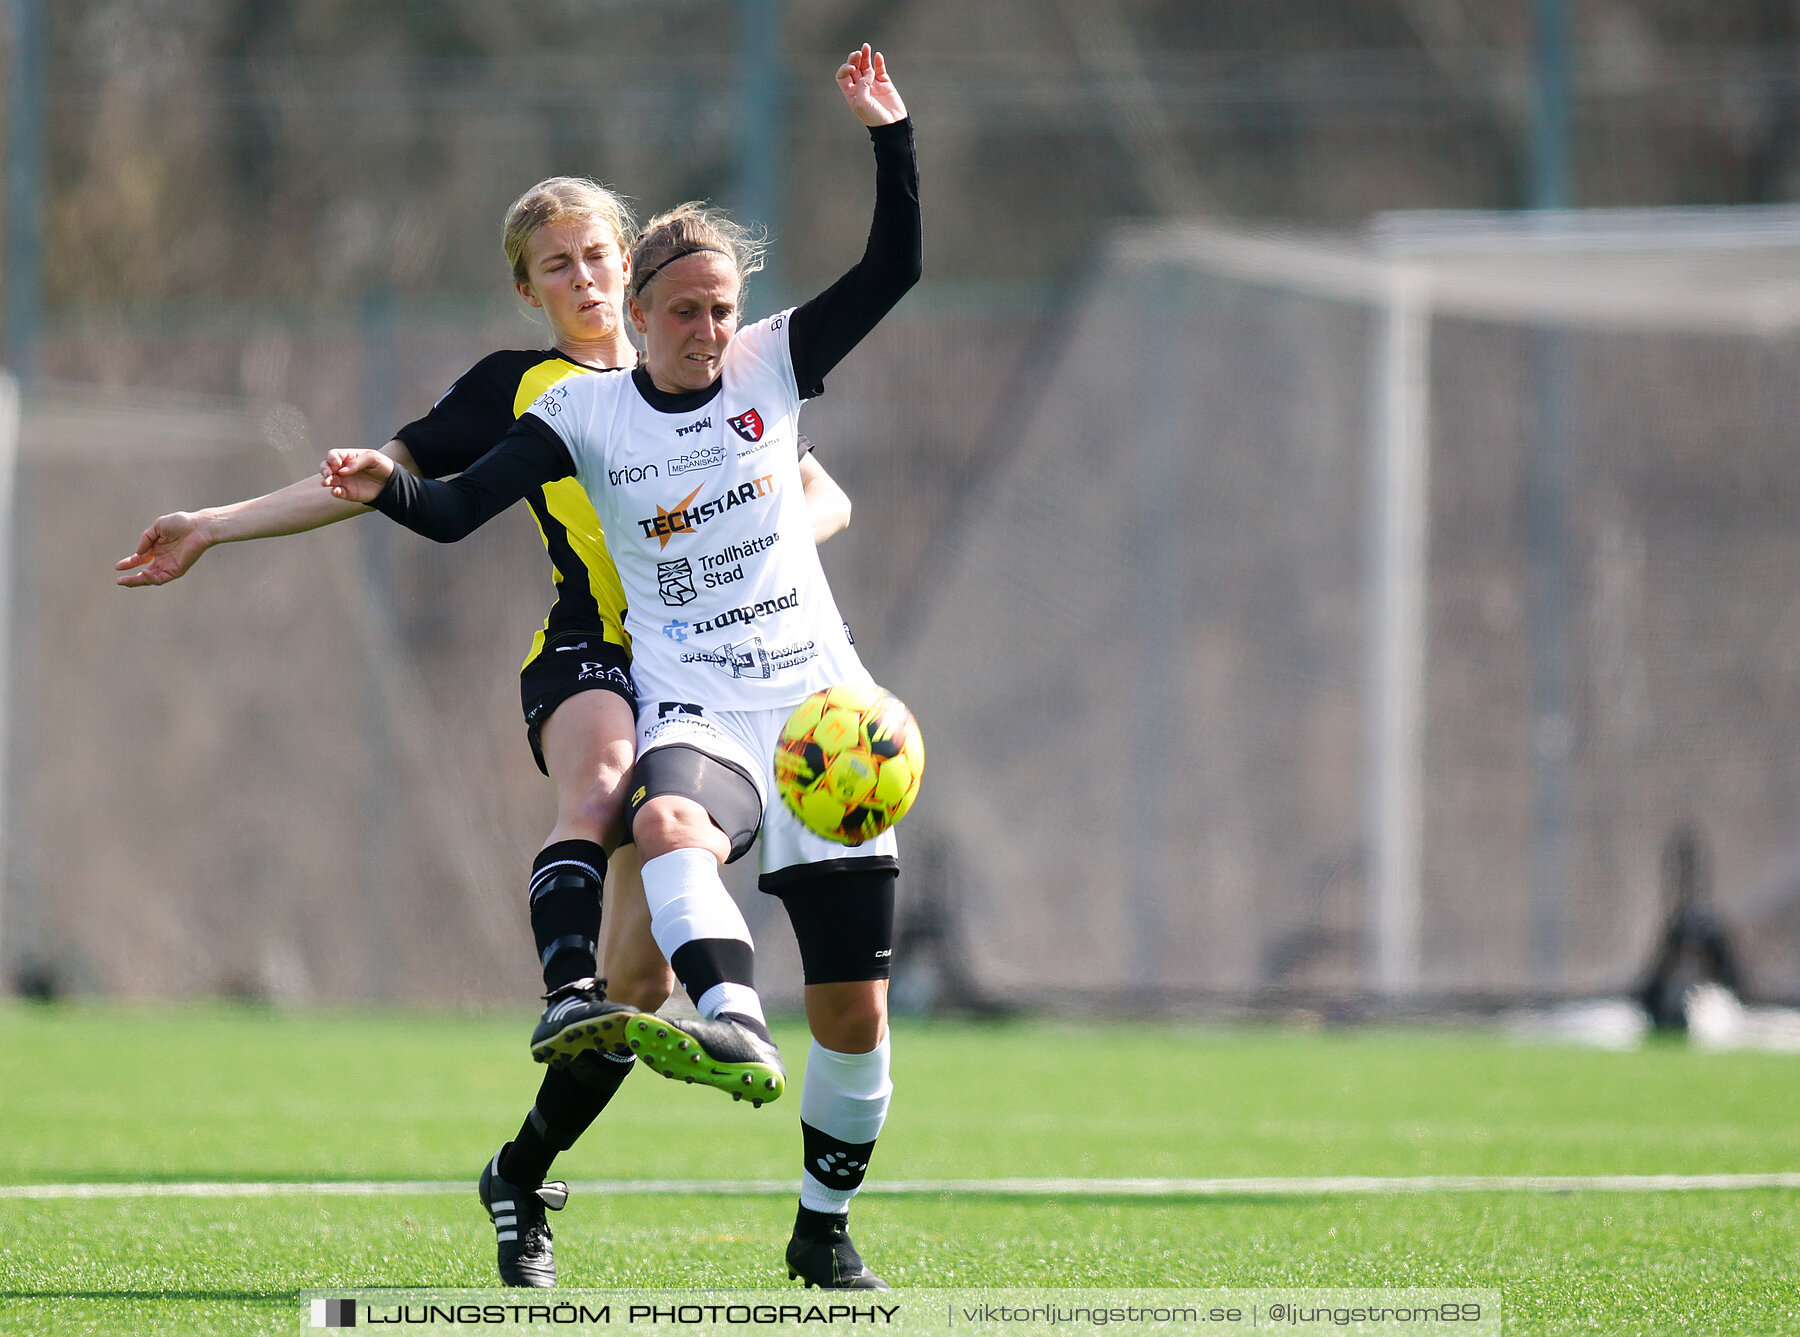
point(826, 328)
point(174, 542)
point(529, 456)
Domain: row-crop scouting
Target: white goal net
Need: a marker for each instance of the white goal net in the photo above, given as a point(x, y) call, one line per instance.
point(1366, 616)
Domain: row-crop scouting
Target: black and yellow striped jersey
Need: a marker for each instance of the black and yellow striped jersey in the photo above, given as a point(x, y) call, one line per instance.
point(467, 423)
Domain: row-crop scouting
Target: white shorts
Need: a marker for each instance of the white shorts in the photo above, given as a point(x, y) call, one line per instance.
point(746, 740)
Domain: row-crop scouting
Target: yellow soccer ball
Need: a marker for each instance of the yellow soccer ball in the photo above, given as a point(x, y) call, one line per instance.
point(848, 762)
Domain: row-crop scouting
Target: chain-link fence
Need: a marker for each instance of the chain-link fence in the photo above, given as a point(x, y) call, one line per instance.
point(1366, 619)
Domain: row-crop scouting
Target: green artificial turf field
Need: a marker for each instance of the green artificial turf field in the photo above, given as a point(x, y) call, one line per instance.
point(94, 1094)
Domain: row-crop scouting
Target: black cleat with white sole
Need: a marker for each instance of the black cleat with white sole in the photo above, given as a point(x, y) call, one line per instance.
point(578, 1017)
point(521, 1229)
point(719, 1053)
point(821, 1254)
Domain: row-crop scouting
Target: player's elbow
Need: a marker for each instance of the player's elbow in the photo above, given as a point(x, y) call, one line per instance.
point(451, 529)
point(831, 516)
point(909, 264)
point(904, 276)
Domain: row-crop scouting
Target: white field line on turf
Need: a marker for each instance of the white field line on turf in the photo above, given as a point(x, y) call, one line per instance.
point(1075, 1188)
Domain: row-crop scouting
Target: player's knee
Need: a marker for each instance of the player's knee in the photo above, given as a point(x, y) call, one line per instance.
point(612, 772)
point(851, 1025)
point(671, 822)
point(601, 804)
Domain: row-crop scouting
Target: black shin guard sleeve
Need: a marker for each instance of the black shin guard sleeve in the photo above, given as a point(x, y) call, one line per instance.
point(702, 963)
point(566, 878)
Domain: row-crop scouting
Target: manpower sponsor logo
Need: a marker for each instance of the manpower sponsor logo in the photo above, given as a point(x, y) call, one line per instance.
point(743, 614)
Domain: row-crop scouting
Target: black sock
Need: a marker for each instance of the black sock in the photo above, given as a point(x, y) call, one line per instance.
point(565, 909)
point(809, 1224)
point(703, 963)
point(751, 1024)
point(833, 1162)
point(568, 1101)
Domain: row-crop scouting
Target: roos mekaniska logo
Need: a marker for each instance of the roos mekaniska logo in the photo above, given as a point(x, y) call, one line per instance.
point(334, 1313)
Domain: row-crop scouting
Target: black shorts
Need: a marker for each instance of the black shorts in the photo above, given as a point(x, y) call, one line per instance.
point(843, 917)
point(570, 663)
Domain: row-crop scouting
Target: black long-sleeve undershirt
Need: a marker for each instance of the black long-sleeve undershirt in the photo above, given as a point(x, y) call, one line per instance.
point(822, 330)
point(528, 456)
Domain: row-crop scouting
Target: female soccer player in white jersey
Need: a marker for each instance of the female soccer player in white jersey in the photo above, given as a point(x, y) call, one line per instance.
point(689, 461)
point(567, 243)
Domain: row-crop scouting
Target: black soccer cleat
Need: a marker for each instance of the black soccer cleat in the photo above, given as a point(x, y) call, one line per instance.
point(825, 1257)
point(718, 1053)
point(521, 1230)
point(578, 1018)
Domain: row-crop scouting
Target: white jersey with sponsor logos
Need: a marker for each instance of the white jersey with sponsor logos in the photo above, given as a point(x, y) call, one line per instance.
point(706, 521)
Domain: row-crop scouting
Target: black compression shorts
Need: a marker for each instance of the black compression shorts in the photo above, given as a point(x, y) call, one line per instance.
point(843, 919)
point(721, 787)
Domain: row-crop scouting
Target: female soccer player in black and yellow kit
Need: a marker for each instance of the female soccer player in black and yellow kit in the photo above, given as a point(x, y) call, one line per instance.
point(567, 241)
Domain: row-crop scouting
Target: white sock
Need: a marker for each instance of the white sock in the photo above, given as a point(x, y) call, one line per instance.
point(845, 1099)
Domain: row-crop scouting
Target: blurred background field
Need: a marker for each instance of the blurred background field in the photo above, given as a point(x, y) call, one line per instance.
point(215, 1095)
point(1330, 502)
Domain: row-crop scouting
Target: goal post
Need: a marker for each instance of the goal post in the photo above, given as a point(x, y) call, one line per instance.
point(1718, 271)
point(1459, 548)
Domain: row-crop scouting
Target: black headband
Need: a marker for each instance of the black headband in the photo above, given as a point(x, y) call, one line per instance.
point(638, 285)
